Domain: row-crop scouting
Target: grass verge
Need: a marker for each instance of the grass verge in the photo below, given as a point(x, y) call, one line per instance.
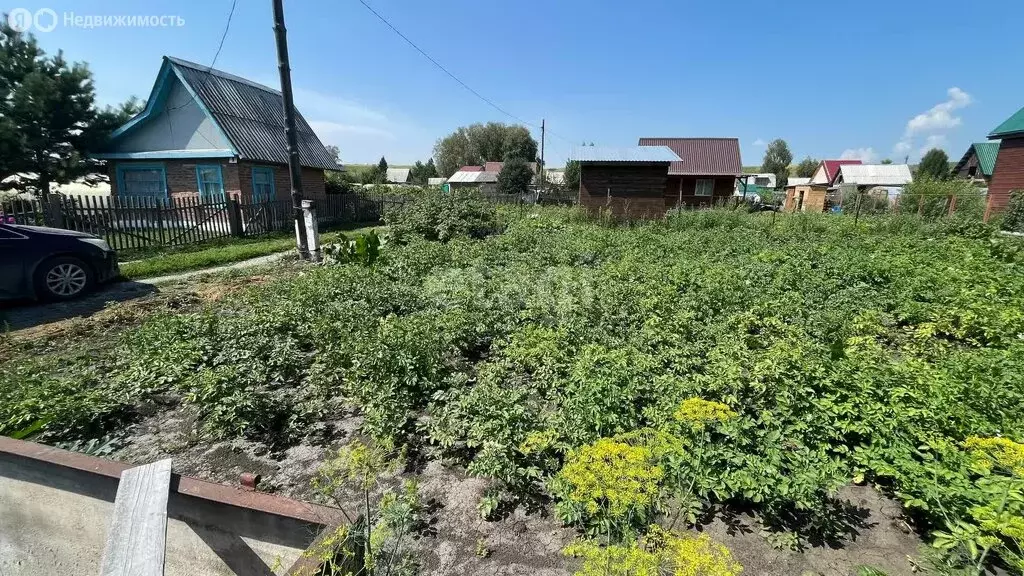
point(220, 252)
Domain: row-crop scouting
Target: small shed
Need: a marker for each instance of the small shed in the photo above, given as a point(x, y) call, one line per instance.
point(629, 182)
point(436, 181)
point(805, 197)
point(486, 182)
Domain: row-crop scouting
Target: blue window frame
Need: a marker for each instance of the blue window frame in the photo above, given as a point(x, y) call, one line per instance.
point(142, 180)
point(211, 181)
point(263, 184)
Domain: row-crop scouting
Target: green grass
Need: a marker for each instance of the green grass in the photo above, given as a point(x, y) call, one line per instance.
point(218, 253)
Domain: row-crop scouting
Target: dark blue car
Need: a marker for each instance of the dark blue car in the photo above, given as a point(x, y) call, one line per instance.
point(52, 264)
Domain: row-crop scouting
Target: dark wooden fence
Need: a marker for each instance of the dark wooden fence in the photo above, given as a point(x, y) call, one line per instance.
point(130, 223)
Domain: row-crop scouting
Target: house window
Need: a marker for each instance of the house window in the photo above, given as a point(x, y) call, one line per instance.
point(149, 181)
point(263, 184)
point(210, 180)
point(705, 187)
point(761, 181)
point(972, 171)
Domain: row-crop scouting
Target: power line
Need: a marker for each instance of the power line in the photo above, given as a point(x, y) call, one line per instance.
point(220, 46)
point(453, 76)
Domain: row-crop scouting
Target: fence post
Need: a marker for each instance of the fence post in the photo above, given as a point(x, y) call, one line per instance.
point(312, 230)
point(952, 205)
point(235, 217)
point(856, 216)
point(53, 217)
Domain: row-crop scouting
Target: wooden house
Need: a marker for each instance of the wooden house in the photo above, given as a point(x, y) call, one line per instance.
point(1008, 173)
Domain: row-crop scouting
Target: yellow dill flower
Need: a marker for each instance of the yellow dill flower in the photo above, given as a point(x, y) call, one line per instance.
point(1002, 452)
point(699, 556)
point(536, 442)
point(612, 474)
point(698, 412)
point(660, 553)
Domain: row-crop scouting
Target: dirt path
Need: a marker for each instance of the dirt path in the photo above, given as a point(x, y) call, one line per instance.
point(34, 315)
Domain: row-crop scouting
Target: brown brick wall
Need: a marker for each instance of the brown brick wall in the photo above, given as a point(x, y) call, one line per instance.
point(182, 182)
point(1008, 174)
point(629, 190)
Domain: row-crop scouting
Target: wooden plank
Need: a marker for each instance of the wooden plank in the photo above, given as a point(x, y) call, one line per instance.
point(138, 532)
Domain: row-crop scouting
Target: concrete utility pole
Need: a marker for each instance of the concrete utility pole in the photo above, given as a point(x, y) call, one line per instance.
point(541, 179)
point(294, 169)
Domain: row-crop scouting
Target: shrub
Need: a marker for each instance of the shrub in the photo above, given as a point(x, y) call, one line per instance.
point(660, 553)
point(1013, 220)
point(437, 215)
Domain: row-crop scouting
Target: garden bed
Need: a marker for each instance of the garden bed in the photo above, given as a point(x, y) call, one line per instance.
point(763, 373)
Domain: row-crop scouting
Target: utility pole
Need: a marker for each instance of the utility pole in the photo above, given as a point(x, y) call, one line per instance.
point(294, 170)
point(542, 129)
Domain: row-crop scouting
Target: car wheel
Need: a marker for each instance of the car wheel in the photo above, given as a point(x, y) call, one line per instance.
point(63, 278)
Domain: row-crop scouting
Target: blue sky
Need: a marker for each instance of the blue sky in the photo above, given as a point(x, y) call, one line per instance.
point(869, 79)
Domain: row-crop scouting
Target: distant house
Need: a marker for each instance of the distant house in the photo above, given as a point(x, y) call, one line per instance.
point(208, 133)
point(474, 177)
point(436, 181)
point(704, 171)
point(629, 182)
point(795, 181)
point(763, 180)
point(978, 163)
point(397, 176)
point(555, 176)
point(1008, 173)
point(871, 175)
point(828, 171)
point(810, 196)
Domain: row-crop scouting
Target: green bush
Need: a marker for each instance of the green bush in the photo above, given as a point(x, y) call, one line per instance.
point(437, 215)
point(1013, 220)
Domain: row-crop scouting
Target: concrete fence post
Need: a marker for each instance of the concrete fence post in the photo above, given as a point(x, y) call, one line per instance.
point(312, 229)
point(235, 217)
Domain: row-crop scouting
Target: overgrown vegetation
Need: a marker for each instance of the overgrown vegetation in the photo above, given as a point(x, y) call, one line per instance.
point(712, 359)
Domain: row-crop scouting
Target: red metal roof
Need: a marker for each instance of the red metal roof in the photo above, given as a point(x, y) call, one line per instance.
point(702, 156)
point(832, 168)
point(471, 169)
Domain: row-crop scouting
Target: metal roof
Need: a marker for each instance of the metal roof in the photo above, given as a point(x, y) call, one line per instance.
point(628, 154)
point(702, 156)
point(797, 182)
point(1014, 125)
point(832, 168)
point(251, 116)
point(987, 152)
point(436, 181)
point(461, 177)
point(398, 175)
point(875, 174)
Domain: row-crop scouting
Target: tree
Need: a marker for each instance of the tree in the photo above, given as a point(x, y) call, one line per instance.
point(478, 143)
point(887, 161)
point(334, 152)
point(48, 116)
point(776, 161)
point(515, 177)
point(571, 177)
point(934, 164)
point(381, 174)
point(430, 170)
point(416, 174)
point(806, 167)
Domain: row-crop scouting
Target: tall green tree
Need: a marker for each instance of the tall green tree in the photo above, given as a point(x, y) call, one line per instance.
point(887, 161)
point(571, 178)
point(478, 143)
point(430, 170)
point(776, 160)
point(515, 177)
point(806, 167)
point(48, 116)
point(934, 164)
point(381, 174)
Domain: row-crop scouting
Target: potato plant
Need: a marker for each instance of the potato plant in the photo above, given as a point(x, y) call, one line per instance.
point(821, 351)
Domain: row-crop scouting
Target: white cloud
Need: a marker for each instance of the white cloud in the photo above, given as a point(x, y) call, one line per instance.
point(932, 141)
point(934, 123)
point(940, 117)
point(760, 142)
point(866, 155)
